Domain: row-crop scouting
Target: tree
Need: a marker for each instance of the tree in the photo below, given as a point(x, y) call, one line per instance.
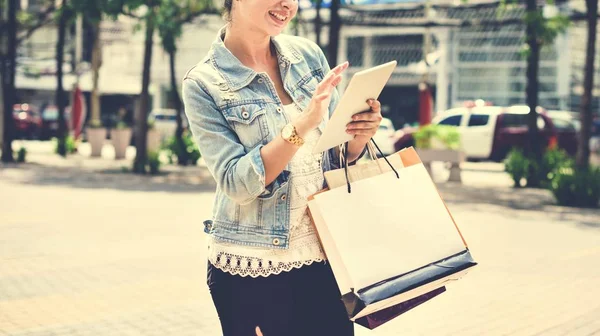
point(540, 31)
point(96, 65)
point(64, 15)
point(335, 24)
point(8, 80)
point(93, 11)
point(148, 21)
point(318, 22)
point(14, 29)
point(583, 149)
point(172, 15)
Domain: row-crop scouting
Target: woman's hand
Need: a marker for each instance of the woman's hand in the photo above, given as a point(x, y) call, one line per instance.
point(364, 125)
point(319, 104)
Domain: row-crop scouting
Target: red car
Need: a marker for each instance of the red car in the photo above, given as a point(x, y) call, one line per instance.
point(490, 132)
point(28, 121)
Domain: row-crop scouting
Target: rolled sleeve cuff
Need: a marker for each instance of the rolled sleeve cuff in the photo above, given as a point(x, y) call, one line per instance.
point(258, 167)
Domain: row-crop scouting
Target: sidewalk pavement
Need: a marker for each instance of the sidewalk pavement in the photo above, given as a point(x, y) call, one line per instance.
point(484, 183)
point(86, 250)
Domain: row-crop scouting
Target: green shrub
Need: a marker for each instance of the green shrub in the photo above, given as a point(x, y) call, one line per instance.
point(70, 144)
point(173, 149)
point(573, 187)
point(153, 162)
point(552, 161)
point(95, 123)
point(447, 135)
point(21, 154)
point(517, 166)
point(121, 125)
point(520, 167)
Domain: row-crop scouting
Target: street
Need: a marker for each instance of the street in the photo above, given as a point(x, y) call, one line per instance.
point(109, 253)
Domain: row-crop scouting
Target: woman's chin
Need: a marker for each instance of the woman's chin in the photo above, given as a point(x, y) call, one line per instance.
point(276, 29)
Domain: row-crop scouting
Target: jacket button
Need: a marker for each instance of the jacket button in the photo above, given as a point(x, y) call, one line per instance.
point(245, 114)
point(279, 109)
point(260, 80)
point(276, 242)
point(283, 197)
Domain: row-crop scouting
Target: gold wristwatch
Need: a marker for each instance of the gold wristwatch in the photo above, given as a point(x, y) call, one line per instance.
point(289, 134)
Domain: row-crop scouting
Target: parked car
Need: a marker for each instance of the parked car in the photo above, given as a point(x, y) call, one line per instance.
point(564, 117)
point(567, 125)
point(385, 137)
point(490, 132)
point(50, 121)
point(28, 121)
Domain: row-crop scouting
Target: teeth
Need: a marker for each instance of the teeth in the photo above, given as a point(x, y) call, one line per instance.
point(278, 17)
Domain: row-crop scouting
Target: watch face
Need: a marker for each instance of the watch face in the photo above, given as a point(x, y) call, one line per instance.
point(287, 131)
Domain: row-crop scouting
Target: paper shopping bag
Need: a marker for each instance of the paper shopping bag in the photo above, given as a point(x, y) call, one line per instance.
point(380, 317)
point(391, 239)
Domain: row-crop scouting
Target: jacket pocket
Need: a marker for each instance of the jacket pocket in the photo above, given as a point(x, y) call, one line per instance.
point(249, 123)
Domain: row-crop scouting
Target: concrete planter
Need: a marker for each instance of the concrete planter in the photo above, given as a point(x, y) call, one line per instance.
point(444, 155)
point(121, 138)
point(153, 140)
point(96, 137)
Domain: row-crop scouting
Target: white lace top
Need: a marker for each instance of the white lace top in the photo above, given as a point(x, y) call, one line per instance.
point(306, 178)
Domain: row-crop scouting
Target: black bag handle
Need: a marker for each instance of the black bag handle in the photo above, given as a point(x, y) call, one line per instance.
point(344, 149)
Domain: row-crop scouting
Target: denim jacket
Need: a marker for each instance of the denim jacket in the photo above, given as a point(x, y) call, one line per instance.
point(233, 112)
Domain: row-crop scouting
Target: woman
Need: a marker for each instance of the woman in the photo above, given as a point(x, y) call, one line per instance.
point(257, 105)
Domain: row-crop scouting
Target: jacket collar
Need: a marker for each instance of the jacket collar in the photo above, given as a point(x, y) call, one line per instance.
point(238, 75)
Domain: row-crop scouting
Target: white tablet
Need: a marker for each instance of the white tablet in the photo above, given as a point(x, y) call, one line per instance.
point(364, 84)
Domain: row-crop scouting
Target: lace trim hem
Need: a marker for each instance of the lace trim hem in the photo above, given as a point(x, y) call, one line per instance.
point(255, 267)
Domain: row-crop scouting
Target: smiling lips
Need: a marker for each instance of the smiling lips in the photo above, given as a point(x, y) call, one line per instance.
point(278, 16)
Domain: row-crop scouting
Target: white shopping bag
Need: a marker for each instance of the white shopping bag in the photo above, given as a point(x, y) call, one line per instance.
point(391, 238)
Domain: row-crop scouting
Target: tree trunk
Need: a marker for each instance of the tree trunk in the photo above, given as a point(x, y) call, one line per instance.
point(141, 114)
point(182, 154)
point(8, 81)
point(583, 148)
point(60, 95)
point(534, 150)
point(335, 24)
point(96, 64)
point(318, 23)
point(2, 57)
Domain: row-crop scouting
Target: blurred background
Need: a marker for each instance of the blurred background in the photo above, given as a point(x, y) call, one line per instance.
point(103, 190)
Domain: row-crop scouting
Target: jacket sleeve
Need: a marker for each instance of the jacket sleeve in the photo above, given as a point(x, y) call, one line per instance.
point(239, 174)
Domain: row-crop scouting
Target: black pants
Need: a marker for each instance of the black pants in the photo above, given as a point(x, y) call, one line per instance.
point(302, 302)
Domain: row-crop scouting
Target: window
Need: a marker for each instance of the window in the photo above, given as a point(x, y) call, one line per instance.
point(520, 120)
point(478, 120)
point(563, 125)
point(354, 53)
point(452, 121)
point(514, 120)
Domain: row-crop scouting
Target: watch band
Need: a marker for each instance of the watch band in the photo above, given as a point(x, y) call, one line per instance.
point(293, 136)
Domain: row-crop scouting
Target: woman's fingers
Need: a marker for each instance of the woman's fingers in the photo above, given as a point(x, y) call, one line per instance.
point(332, 79)
point(340, 68)
point(363, 125)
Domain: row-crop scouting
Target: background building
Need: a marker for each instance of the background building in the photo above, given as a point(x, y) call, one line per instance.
point(466, 63)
